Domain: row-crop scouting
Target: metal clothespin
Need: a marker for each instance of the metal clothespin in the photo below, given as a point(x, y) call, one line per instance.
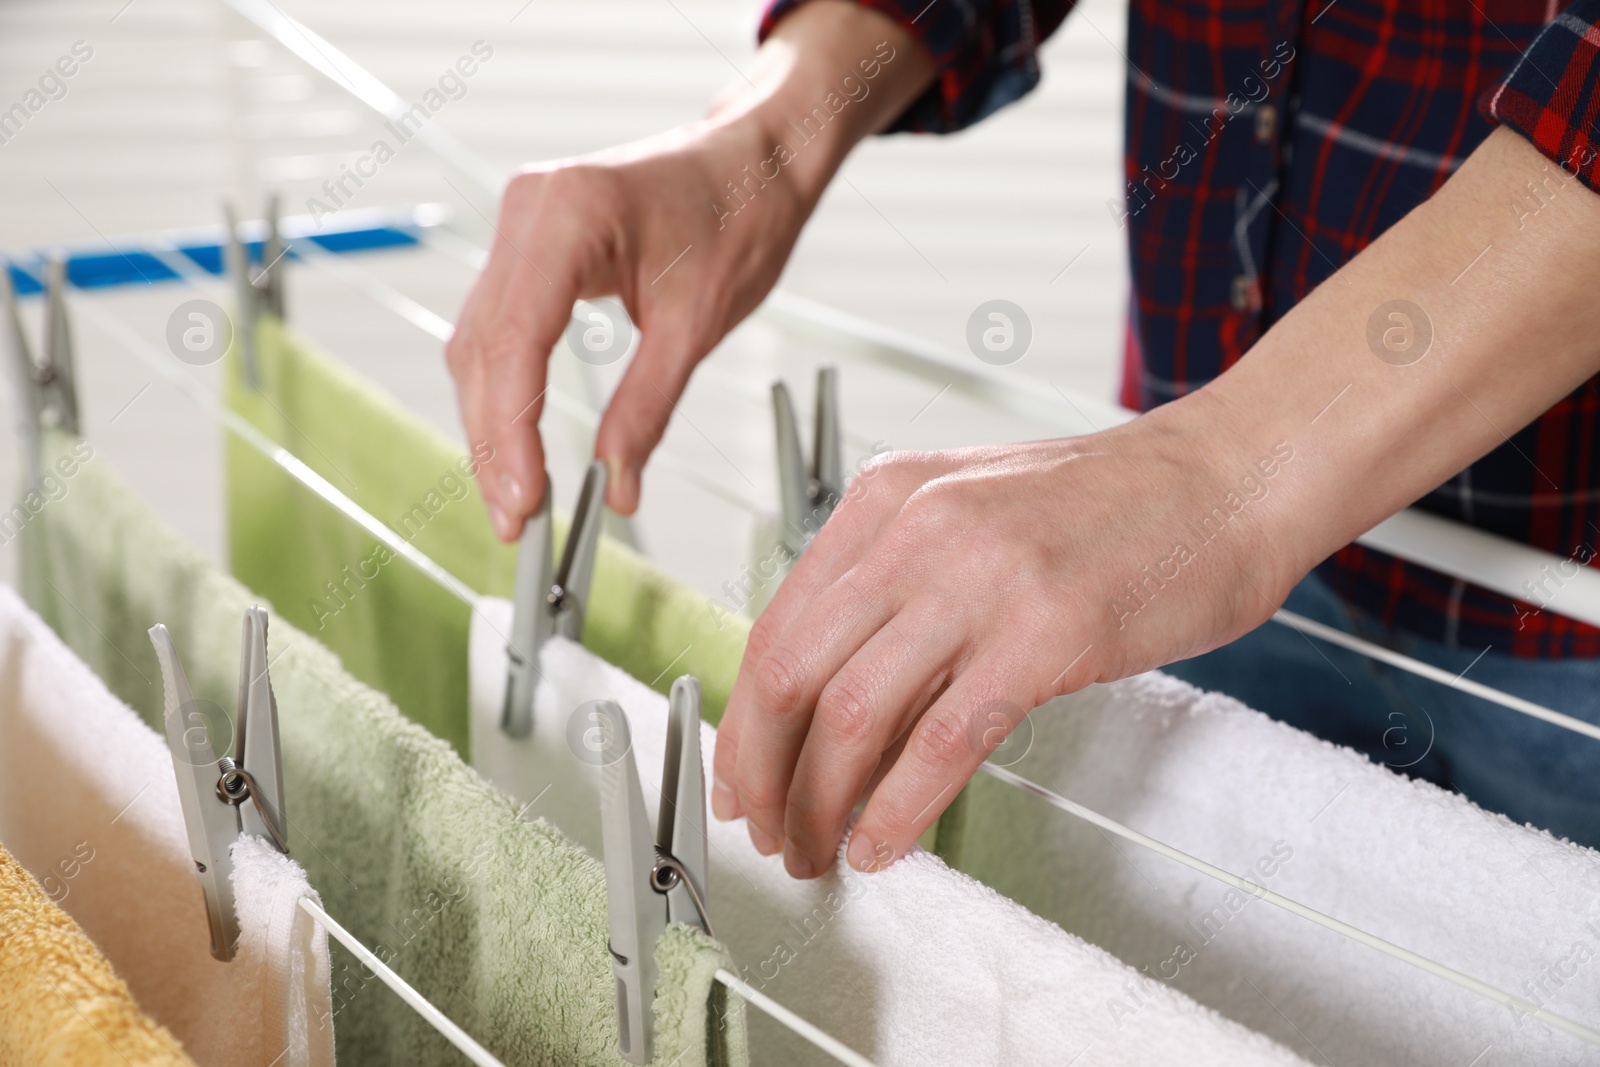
point(549, 600)
point(45, 384)
point(808, 496)
point(257, 291)
point(651, 879)
point(225, 797)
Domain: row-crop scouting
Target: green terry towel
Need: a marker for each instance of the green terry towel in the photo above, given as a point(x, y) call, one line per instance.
point(395, 629)
point(498, 921)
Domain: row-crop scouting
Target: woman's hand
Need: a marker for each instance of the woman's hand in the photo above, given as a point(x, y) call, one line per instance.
point(951, 592)
point(637, 222)
point(955, 590)
point(690, 229)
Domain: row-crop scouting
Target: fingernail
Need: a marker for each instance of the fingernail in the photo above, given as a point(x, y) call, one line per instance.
point(796, 863)
point(511, 491)
point(765, 843)
point(502, 525)
point(624, 483)
point(862, 854)
point(724, 805)
point(614, 479)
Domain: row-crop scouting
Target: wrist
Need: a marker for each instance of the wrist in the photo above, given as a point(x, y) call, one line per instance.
point(1247, 471)
point(831, 74)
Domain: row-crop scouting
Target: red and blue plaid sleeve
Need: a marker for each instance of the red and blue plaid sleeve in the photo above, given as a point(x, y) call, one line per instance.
point(1552, 96)
point(986, 52)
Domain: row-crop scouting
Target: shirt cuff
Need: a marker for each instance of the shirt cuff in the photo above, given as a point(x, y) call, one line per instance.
point(985, 52)
point(1552, 95)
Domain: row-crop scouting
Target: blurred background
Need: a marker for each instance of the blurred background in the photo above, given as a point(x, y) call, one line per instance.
point(183, 103)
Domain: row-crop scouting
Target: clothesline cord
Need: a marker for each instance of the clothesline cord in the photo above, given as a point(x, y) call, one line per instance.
point(481, 1056)
point(823, 1040)
point(1354, 933)
point(1427, 670)
point(420, 1004)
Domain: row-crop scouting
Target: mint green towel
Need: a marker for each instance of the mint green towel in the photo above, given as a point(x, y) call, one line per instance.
point(498, 921)
point(395, 629)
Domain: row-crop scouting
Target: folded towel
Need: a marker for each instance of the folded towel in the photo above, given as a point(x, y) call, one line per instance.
point(1415, 865)
point(917, 964)
point(332, 580)
point(61, 1004)
point(109, 844)
point(499, 922)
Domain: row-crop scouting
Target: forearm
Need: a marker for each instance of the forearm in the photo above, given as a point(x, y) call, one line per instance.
point(830, 75)
point(1514, 329)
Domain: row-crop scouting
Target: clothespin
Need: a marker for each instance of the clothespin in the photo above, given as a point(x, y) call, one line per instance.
point(549, 600)
point(46, 389)
point(225, 797)
point(651, 879)
point(808, 497)
point(256, 291)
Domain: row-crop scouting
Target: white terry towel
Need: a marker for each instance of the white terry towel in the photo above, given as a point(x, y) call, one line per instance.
point(917, 964)
point(1402, 859)
point(89, 805)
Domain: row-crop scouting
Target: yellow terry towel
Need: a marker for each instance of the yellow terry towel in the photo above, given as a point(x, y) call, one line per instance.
point(60, 1001)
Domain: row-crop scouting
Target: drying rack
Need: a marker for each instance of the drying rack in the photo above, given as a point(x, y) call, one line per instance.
point(196, 258)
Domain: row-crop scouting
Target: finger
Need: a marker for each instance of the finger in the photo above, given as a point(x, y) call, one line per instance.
point(645, 398)
point(838, 547)
point(514, 396)
point(516, 367)
point(464, 355)
point(724, 765)
point(871, 502)
point(886, 762)
point(818, 569)
point(725, 758)
point(786, 683)
point(861, 713)
point(544, 253)
point(467, 372)
point(943, 752)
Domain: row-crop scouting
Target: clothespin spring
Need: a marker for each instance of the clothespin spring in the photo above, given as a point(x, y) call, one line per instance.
point(668, 874)
point(235, 786)
point(665, 876)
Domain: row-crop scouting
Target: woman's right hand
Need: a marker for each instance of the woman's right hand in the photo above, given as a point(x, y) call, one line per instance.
point(690, 229)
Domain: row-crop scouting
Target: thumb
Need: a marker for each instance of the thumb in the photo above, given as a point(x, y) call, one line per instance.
point(637, 415)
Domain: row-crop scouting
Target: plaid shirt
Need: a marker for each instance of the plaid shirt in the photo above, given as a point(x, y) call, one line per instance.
point(1267, 144)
